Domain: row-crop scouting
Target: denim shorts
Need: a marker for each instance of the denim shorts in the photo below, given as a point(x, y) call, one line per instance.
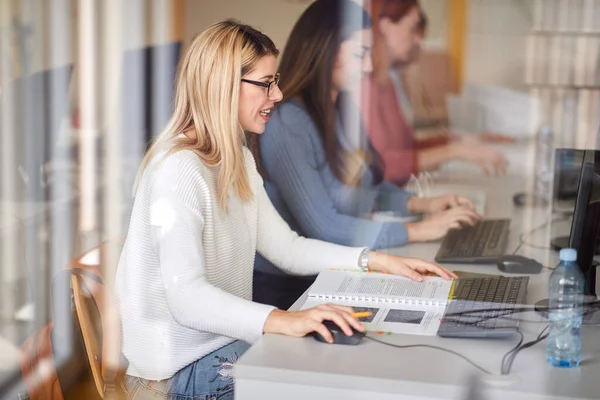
point(209, 378)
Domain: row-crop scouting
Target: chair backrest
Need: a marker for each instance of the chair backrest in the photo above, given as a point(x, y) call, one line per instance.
point(99, 319)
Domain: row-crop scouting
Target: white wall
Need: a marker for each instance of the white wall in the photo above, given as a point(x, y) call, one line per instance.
point(276, 17)
point(496, 42)
point(273, 17)
point(495, 48)
point(437, 15)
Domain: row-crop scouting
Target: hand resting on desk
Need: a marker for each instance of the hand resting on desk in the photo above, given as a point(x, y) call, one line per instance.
point(301, 323)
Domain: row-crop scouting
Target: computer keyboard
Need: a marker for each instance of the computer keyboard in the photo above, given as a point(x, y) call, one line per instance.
point(480, 304)
point(482, 243)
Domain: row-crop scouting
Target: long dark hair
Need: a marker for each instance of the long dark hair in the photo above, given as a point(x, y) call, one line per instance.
point(308, 60)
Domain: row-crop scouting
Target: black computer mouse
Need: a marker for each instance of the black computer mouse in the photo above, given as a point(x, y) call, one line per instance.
point(339, 337)
point(515, 264)
point(524, 199)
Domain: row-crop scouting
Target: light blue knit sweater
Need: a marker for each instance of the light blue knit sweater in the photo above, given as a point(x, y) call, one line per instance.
point(310, 198)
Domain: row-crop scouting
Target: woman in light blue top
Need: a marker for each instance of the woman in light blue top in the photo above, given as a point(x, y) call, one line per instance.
point(312, 173)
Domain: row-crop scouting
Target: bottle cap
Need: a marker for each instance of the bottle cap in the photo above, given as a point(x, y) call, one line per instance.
point(568, 255)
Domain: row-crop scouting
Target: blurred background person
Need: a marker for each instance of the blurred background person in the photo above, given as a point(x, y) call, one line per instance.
point(320, 184)
point(399, 27)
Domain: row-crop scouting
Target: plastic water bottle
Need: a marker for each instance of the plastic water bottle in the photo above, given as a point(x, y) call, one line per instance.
point(563, 348)
point(544, 151)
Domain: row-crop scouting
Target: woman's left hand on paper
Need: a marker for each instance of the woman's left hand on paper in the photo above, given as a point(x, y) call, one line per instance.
point(413, 268)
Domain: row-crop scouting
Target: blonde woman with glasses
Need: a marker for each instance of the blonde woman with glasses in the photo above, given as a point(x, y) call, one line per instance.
point(184, 281)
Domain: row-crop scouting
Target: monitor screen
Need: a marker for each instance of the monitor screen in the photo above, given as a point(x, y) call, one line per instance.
point(586, 218)
point(567, 167)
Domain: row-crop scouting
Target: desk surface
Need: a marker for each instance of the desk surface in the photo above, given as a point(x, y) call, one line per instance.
point(282, 367)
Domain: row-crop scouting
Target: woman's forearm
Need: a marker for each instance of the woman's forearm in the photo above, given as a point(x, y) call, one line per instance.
point(433, 158)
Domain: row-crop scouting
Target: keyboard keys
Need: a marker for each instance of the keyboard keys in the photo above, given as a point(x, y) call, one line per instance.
point(480, 305)
point(482, 240)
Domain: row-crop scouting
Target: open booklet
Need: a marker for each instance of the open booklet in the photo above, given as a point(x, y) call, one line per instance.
point(397, 304)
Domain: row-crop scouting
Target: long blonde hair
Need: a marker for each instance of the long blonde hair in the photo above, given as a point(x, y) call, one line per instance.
point(207, 101)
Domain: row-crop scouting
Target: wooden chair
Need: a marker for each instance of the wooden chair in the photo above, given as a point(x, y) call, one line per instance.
point(99, 320)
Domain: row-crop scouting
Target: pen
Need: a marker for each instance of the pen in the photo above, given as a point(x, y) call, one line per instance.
point(362, 314)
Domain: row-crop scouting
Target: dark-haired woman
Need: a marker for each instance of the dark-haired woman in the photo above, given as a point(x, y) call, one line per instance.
point(317, 180)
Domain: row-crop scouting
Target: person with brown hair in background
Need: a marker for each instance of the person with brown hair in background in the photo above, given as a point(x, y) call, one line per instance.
point(313, 175)
point(399, 27)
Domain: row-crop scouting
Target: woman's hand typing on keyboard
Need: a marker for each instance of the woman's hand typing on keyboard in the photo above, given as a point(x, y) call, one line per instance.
point(412, 268)
point(438, 224)
point(429, 205)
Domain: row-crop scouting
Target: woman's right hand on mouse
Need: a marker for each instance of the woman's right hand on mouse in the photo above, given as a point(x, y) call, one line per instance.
point(438, 224)
point(301, 323)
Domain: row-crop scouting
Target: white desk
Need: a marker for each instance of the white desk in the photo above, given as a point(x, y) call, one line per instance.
point(280, 367)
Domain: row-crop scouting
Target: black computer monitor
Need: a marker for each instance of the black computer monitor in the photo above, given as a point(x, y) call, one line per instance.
point(567, 170)
point(586, 219)
point(584, 234)
point(567, 167)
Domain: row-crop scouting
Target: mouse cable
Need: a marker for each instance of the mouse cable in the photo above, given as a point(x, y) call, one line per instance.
point(511, 351)
point(430, 347)
point(543, 335)
point(523, 236)
point(507, 359)
point(511, 310)
point(591, 307)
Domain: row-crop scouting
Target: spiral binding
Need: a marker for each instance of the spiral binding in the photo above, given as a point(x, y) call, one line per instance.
point(381, 300)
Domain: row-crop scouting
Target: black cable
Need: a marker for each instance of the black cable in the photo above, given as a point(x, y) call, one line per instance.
point(543, 330)
point(522, 236)
point(507, 360)
point(502, 314)
point(512, 358)
point(506, 318)
point(482, 310)
point(502, 368)
point(591, 309)
point(431, 347)
point(527, 345)
point(518, 247)
point(477, 322)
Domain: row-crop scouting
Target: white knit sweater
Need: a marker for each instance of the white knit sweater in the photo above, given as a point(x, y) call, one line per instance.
point(184, 280)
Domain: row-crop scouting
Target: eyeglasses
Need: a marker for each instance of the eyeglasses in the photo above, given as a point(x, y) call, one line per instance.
point(268, 85)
